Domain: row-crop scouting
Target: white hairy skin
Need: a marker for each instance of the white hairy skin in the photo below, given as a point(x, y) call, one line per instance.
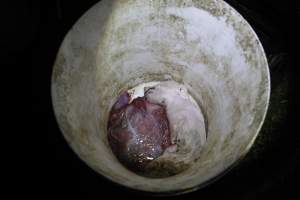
point(185, 120)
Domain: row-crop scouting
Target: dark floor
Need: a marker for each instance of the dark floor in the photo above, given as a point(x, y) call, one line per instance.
point(270, 170)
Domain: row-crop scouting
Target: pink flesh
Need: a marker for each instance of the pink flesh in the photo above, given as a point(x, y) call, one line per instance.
point(137, 132)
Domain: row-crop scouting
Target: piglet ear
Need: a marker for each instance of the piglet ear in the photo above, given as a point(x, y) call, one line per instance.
point(122, 101)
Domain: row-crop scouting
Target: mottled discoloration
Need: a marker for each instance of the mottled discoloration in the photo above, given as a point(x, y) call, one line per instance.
point(203, 44)
point(165, 168)
point(58, 70)
point(138, 131)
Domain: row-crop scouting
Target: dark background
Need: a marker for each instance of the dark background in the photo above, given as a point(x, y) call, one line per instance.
point(270, 170)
